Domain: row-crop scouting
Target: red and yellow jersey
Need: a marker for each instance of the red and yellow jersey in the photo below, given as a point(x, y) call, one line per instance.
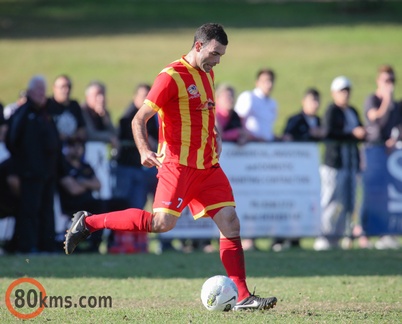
point(184, 99)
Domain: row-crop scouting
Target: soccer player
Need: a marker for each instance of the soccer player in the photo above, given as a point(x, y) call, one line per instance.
point(188, 161)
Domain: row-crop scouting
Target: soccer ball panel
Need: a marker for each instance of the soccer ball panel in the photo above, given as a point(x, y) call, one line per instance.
point(219, 293)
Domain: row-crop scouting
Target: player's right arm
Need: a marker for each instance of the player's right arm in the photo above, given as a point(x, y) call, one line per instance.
point(149, 158)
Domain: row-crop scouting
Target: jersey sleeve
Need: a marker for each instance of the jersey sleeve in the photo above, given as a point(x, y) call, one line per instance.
point(162, 91)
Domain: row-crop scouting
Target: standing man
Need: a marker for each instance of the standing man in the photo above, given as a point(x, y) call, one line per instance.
point(382, 112)
point(383, 121)
point(189, 171)
point(344, 130)
point(305, 126)
point(65, 111)
point(33, 142)
point(100, 133)
point(133, 181)
point(257, 109)
point(99, 125)
point(3, 125)
point(258, 112)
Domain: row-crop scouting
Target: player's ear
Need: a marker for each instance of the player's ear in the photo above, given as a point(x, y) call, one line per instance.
point(198, 46)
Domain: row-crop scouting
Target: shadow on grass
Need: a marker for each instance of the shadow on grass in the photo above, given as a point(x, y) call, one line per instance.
point(293, 263)
point(47, 18)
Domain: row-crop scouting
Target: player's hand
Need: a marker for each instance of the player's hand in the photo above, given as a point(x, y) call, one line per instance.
point(150, 159)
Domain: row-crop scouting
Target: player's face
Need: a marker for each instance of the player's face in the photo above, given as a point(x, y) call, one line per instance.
point(209, 54)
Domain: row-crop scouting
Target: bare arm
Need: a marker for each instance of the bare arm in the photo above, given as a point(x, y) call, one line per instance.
point(218, 141)
point(76, 187)
point(140, 134)
point(386, 94)
point(373, 114)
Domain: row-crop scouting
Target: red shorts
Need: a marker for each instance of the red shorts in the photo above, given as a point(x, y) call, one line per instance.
point(205, 191)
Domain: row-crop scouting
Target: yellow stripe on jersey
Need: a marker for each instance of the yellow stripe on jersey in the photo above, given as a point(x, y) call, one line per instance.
point(152, 105)
point(215, 155)
point(185, 116)
point(205, 118)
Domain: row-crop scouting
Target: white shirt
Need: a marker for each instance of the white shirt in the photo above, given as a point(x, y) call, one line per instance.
point(259, 113)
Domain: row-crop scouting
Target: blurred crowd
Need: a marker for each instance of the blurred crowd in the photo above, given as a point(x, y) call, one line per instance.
point(49, 160)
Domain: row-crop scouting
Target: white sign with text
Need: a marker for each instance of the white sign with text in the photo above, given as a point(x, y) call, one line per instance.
point(276, 188)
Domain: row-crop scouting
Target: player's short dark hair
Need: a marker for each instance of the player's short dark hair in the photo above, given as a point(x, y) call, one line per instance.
point(313, 92)
point(210, 31)
point(270, 72)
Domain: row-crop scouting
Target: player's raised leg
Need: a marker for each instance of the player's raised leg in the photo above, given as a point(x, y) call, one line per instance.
point(232, 256)
point(132, 219)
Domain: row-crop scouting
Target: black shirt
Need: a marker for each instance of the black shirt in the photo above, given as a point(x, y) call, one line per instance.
point(128, 153)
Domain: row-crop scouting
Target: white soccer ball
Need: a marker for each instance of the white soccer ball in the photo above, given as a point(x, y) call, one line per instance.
point(219, 293)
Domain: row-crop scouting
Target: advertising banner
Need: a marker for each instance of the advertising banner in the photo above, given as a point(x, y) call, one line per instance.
point(381, 209)
point(276, 187)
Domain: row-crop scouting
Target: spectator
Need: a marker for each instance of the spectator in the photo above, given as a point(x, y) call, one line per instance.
point(77, 185)
point(383, 119)
point(100, 133)
point(65, 111)
point(380, 108)
point(258, 112)
point(9, 189)
point(96, 115)
point(227, 119)
point(257, 109)
point(343, 130)
point(3, 125)
point(33, 142)
point(305, 125)
point(9, 198)
point(133, 181)
point(10, 109)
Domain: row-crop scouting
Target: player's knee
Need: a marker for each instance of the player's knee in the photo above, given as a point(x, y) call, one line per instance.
point(228, 222)
point(163, 223)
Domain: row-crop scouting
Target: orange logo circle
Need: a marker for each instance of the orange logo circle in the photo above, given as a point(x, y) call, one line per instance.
point(10, 289)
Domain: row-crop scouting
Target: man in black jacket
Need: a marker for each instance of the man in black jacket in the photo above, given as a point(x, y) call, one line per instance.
point(305, 125)
point(33, 142)
point(341, 163)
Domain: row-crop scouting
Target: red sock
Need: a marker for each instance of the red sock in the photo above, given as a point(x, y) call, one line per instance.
point(232, 257)
point(133, 219)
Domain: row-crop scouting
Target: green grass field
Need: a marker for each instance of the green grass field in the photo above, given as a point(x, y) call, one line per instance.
point(355, 286)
